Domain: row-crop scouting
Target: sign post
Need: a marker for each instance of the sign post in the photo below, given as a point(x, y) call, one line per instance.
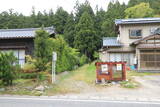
point(54, 59)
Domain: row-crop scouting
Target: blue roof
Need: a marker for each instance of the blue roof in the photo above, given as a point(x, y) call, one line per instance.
point(22, 33)
point(111, 41)
point(137, 21)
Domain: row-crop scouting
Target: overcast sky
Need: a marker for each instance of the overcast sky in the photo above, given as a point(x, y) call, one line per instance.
point(25, 6)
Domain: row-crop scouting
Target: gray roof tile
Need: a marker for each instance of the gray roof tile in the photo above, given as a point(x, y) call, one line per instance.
point(110, 41)
point(22, 33)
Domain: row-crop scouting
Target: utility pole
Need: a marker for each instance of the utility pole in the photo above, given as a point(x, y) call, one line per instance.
point(54, 59)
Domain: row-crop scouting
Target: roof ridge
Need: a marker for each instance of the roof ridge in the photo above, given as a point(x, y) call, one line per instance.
point(140, 18)
point(137, 20)
point(109, 37)
point(25, 29)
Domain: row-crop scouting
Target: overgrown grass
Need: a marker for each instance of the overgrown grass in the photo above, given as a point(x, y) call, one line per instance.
point(74, 81)
point(70, 82)
point(19, 87)
point(131, 83)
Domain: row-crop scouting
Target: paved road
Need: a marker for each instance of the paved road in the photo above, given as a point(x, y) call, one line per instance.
point(48, 102)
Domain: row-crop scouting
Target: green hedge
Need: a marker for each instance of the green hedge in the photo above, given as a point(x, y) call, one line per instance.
point(28, 75)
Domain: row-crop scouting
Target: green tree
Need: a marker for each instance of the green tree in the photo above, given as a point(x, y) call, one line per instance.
point(42, 49)
point(108, 28)
point(139, 11)
point(68, 57)
point(86, 38)
point(10, 19)
point(99, 19)
point(69, 31)
point(60, 19)
point(115, 11)
point(154, 4)
point(8, 68)
point(51, 17)
point(81, 8)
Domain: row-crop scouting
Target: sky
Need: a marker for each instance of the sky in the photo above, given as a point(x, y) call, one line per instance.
point(25, 6)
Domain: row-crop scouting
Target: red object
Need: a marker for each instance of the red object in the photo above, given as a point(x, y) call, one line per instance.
point(128, 68)
point(111, 72)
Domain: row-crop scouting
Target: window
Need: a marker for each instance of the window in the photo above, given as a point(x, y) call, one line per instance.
point(155, 30)
point(150, 59)
point(135, 33)
point(152, 30)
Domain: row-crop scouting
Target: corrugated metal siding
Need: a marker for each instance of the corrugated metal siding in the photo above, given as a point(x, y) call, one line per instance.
point(110, 41)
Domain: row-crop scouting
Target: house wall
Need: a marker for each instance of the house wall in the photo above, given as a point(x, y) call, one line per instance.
point(28, 43)
point(117, 54)
point(104, 56)
point(124, 31)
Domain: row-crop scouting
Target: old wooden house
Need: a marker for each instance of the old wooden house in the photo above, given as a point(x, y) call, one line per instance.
point(20, 41)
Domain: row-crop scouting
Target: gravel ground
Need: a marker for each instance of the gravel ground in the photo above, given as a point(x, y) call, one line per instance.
point(149, 89)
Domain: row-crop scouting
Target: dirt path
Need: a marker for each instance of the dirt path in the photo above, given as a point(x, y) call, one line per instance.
point(149, 88)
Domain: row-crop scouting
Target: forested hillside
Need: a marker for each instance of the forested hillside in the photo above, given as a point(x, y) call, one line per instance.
point(84, 28)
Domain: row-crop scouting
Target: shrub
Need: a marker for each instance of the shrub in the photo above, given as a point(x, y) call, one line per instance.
point(29, 59)
point(83, 60)
point(8, 68)
point(28, 75)
point(129, 84)
point(41, 76)
point(96, 55)
point(29, 67)
point(67, 57)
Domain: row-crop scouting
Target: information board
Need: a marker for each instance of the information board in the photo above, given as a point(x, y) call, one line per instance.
point(104, 68)
point(119, 67)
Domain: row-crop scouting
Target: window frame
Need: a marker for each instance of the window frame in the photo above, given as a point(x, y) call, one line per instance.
point(135, 37)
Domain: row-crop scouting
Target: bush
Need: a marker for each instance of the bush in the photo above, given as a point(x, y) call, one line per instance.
point(83, 60)
point(41, 76)
point(29, 59)
point(28, 67)
point(67, 57)
point(28, 75)
point(129, 84)
point(9, 68)
point(96, 55)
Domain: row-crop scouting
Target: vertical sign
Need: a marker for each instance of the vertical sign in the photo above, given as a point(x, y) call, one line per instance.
point(54, 59)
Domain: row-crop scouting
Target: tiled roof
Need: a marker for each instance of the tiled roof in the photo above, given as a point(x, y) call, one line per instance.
point(145, 38)
point(137, 21)
point(151, 46)
point(22, 33)
point(110, 41)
